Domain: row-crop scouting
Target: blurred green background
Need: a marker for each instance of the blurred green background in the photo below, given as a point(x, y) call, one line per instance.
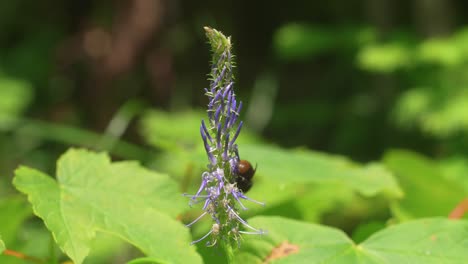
point(354, 78)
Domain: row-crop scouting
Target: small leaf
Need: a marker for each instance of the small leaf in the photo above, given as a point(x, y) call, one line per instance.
point(423, 241)
point(121, 198)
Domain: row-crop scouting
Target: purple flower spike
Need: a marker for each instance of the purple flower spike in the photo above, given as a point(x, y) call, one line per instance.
point(219, 191)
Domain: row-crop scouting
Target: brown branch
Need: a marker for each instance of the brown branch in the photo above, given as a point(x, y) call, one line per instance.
point(16, 254)
point(459, 210)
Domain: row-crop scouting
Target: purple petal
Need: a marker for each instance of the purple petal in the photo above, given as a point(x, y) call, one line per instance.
point(218, 111)
point(218, 136)
point(227, 89)
point(237, 133)
point(206, 131)
point(225, 152)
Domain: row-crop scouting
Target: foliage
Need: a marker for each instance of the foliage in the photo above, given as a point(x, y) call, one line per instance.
point(91, 194)
point(429, 240)
point(437, 96)
point(423, 183)
point(357, 138)
point(15, 95)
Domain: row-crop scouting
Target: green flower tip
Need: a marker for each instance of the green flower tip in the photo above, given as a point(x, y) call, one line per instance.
point(218, 41)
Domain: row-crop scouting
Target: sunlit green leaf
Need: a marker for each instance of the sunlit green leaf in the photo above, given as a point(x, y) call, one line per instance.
point(422, 241)
point(310, 202)
point(440, 51)
point(172, 131)
point(303, 166)
point(92, 194)
point(425, 108)
point(384, 57)
point(427, 191)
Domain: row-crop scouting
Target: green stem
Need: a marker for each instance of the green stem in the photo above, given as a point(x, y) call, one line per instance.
point(229, 252)
point(52, 254)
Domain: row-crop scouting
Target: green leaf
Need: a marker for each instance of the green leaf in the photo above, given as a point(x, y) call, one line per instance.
point(385, 58)
point(34, 240)
point(364, 230)
point(303, 166)
point(424, 184)
point(422, 241)
point(455, 169)
point(144, 261)
point(296, 41)
point(2, 245)
point(15, 96)
point(299, 41)
point(121, 198)
point(441, 51)
point(333, 203)
point(164, 130)
point(13, 212)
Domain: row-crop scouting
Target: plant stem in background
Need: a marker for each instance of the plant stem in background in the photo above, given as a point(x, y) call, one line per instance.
point(20, 255)
point(459, 210)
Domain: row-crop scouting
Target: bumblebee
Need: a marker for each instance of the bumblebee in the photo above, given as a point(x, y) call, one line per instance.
point(245, 175)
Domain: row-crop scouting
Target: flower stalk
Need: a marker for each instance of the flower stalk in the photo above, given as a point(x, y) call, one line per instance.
point(218, 191)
